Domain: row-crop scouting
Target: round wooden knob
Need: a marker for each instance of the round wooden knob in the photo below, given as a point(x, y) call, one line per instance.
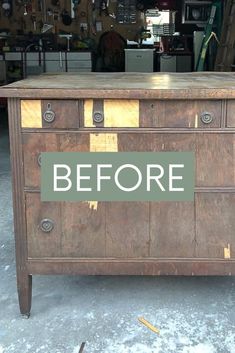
point(49, 115)
point(46, 225)
point(98, 117)
point(207, 117)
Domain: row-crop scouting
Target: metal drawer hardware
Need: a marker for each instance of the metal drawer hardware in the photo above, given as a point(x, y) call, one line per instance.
point(207, 117)
point(98, 117)
point(39, 159)
point(49, 115)
point(46, 225)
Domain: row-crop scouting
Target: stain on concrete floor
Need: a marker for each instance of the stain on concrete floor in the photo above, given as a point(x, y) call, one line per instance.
point(194, 314)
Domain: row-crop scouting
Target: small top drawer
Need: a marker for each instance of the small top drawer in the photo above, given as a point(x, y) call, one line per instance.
point(117, 113)
point(181, 113)
point(50, 114)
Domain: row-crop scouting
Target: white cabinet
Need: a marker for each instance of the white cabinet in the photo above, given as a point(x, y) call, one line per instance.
point(168, 63)
point(68, 61)
point(79, 62)
point(175, 63)
point(33, 63)
point(13, 56)
point(139, 60)
point(55, 62)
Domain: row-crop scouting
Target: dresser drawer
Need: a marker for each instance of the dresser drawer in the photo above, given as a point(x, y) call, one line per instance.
point(75, 229)
point(112, 230)
point(214, 153)
point(181, 114)
point(50, 114)
point(158, 229)
point(152, 113)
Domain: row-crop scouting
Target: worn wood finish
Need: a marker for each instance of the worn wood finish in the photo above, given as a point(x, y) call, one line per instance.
point(66, 113)
point(152, 267)
point(215, 225)
point(128, 222)
point(116, 113)
point(127, 229)
point(206, 85)
point(179, 114)
point(172, 230)
point(84, 230)
point(41, 244)
point(24, 278)
point(215, 160)
point(78, 230)
point(214, 153)
point(31, 116)
point(149, 238)
point(34, 144)
point(152, 113)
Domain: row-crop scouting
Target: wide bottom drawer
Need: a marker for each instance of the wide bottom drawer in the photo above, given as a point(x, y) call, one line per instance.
point(204, 228)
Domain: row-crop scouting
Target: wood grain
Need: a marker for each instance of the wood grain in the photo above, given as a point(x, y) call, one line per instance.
point(121, 113)
point(149, 267)
point(42, 244)
point(172, 230)
point(24, 278)
point(127, 229)
point(34, 144)
point(131, 142)
point(206, 85)
point(31, 116)
point(117, 113)
point(215, 159)
point(103, 142)
point(215, 224)
point(179, 114)
point(83, 230)
point(88, 113)
point(67, 114)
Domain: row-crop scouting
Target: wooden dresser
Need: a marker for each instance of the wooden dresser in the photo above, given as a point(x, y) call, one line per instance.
point(124, 112)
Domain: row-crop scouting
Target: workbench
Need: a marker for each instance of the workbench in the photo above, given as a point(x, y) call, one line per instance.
point(123, 112)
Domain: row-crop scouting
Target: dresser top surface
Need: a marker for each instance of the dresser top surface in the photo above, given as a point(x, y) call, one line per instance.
point(202, 85)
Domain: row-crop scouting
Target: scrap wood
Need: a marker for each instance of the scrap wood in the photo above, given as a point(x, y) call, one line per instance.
point(148, 325)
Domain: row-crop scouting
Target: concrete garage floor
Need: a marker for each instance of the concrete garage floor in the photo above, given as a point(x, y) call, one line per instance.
point(194, 315)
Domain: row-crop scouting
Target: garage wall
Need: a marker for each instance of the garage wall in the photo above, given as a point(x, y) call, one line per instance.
point(84, 14)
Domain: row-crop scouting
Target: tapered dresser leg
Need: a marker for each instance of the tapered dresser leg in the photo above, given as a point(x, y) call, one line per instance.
point(25, 293)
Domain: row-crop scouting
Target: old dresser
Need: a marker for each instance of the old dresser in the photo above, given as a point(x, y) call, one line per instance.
point(124, 112)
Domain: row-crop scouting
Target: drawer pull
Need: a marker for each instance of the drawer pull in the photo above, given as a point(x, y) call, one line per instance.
point(98, 117)
point(39, 159)
point(207, 117)
point(46, 225)
point(49, 115)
